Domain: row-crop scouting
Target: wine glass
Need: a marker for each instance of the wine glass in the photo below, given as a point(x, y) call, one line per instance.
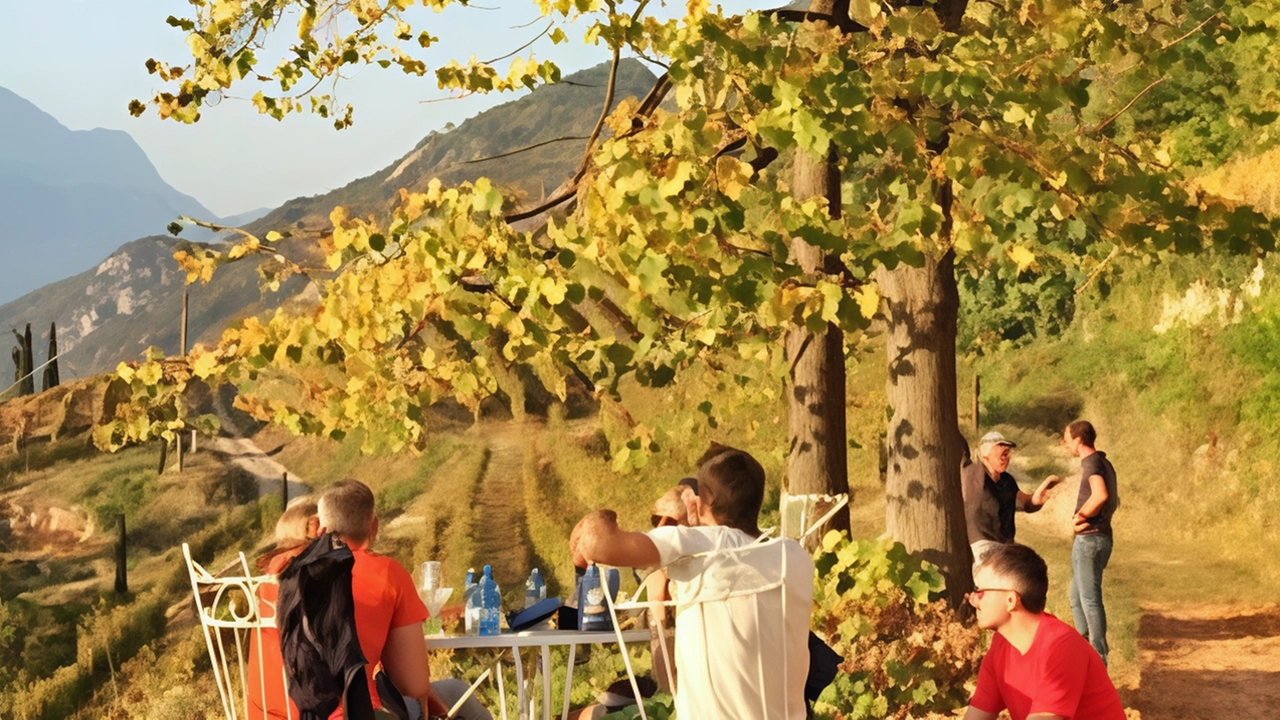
point(432, 595)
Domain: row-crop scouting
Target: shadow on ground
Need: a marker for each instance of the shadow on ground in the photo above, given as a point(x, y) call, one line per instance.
point(1207, 663)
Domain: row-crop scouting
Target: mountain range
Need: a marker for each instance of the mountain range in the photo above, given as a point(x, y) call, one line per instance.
point(70, 197)
point(111, 304)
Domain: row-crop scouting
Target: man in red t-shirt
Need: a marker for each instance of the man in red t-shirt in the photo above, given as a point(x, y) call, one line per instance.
point(1038, 667)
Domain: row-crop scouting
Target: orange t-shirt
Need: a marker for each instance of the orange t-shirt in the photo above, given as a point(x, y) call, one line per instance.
point(385, 598)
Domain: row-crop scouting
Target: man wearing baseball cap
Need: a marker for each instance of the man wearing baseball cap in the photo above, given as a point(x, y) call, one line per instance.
point(992, 496)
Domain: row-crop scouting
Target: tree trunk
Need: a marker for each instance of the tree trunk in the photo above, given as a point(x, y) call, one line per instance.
point(26, 383)
point(51, 378)
point(817, 455)
point(925, 510)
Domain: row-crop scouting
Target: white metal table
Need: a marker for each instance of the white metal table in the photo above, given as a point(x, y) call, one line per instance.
point(544, 640)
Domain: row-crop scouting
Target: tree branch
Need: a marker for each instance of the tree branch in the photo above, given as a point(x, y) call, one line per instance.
point(646, 108)
point(526, 214)
point(524, 149)
point(1193, 31)
point(845, 23)
point(545, 30)
point(1098, 128)
point(1115, 252)
point(604, 113)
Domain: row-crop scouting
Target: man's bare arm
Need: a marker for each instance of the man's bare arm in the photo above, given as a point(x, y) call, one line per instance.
point(1031, 502)
point(404, 657)
point(1043, 716)
point(1098, 496)
point(600, 540)
point(974, 713)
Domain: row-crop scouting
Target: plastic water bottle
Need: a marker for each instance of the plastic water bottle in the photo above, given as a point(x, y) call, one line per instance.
point(592, 613)
point(471, 599)
point(490, 604)
point(535, 590)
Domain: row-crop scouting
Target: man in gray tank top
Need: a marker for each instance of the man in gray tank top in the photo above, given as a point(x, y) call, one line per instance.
point(1091, 550)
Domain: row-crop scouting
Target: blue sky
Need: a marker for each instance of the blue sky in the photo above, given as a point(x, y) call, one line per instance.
point(82, 61)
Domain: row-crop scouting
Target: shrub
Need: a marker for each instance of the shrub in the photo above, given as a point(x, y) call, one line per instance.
point(905, 651)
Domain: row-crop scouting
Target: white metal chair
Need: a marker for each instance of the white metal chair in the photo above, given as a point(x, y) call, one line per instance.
point(232, 616)
point(797, 513)
point(730, 574)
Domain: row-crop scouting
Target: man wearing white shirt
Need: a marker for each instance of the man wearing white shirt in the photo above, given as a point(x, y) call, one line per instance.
point(742, 607)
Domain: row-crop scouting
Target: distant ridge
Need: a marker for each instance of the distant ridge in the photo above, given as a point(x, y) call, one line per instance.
point(132, 299)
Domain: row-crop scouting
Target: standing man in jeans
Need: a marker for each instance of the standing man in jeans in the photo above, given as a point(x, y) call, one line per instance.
point(1092, 524)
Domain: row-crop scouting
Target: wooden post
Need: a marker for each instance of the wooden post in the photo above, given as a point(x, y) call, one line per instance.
point(284, 490)
point(177, 438)
point(183, 349)
point(164, 455)
point(122, 572)
point(193, 442)
point(977, 391)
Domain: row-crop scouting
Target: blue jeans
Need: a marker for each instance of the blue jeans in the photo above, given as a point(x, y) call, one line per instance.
point(1089, 556)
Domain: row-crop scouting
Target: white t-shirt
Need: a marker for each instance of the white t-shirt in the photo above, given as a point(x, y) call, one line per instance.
point(739, 654)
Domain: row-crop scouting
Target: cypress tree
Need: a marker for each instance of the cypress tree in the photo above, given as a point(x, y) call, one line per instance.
point(28, 364)
point(51, 378)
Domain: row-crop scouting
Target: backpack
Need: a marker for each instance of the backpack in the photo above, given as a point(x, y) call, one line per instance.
point(315, 615)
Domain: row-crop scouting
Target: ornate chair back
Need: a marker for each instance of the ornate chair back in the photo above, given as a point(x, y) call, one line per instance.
point(233, 616)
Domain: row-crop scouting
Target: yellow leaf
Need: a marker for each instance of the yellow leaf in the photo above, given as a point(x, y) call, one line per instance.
point(733, 175)
point(150, 373)
point(204, 364)
point(553, 290)
point(868, 300)
point(831, 295)
point(1021, 257)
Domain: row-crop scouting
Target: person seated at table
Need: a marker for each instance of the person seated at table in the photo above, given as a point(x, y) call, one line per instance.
point(388, 612)
point(670, 510)
point(296, 528)
point(723, 646)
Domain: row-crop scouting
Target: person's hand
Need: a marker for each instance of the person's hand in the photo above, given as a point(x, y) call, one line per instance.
point(435, 706)
point(1080, 523)
point(693, 506)
point(1051, 481)
point(452, 612)
point(591, 528)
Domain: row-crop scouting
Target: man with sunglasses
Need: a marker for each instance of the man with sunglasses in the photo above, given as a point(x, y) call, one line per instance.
point(1038, 667)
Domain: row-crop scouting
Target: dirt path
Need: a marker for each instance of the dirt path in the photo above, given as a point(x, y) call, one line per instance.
point(1208, 662)
point(500, 527)
point(243, 453)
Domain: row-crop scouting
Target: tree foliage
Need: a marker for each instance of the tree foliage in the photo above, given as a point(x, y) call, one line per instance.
point(995, 141)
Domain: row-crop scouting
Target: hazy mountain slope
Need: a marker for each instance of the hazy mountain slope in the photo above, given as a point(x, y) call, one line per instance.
point(569, 109)
point(68, 198)
point(114, 310)
point(130, 301)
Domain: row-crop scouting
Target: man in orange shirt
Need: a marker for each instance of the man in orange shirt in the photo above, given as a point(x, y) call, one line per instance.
point(388, 612)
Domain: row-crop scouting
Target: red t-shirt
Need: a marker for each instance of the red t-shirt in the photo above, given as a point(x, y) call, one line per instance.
point(385, 598)
point(1061, 674)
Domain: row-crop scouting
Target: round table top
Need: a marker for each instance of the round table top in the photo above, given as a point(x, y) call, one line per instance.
point(534, 638)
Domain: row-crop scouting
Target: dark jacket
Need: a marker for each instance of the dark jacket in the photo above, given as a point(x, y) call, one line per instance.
point(315, 615)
